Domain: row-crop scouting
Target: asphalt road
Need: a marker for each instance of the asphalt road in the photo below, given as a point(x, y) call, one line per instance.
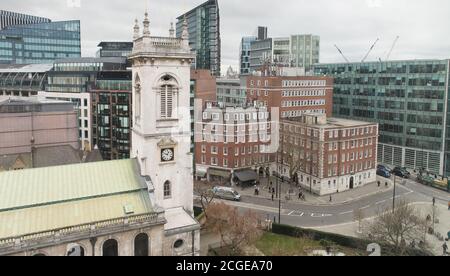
point(305, 215)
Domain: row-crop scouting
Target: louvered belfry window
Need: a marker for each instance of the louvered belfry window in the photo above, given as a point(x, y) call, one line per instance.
point(167, 92)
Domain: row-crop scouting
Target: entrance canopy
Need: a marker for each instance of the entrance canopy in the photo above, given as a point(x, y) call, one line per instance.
point(246, 176)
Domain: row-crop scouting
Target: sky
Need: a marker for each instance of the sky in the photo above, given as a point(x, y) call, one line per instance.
point(353, 25)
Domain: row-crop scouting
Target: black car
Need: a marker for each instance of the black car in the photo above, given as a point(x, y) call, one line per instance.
point(401, 172)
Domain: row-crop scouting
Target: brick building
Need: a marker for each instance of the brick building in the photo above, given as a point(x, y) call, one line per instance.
point(327, 156)
point(293, 95)
point(233, 143)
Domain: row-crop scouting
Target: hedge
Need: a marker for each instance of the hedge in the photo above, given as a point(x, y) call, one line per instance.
point(341, 240)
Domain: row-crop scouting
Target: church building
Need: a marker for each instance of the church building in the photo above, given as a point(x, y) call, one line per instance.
point(142, 206)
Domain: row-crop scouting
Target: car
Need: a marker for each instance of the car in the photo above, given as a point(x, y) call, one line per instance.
point(383, 167)
point(401, 172)
point(383, 173)
point(226, 193)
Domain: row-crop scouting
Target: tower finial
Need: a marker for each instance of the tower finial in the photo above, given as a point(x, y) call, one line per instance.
point(171, 30)
point(146, 24)
point(185, 33)
point(136, 29)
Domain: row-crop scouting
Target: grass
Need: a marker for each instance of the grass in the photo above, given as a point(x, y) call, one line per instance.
point(277, 245)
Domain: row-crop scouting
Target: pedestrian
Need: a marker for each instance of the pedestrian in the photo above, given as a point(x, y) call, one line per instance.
point(256, 191)
point(449, 205)
point(331, 198)
point(445, 248)
point(413, 244)
point(379, 184)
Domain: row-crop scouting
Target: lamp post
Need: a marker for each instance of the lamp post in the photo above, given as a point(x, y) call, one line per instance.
point(393, 196)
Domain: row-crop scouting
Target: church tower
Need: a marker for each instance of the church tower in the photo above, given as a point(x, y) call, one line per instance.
point(161, 131)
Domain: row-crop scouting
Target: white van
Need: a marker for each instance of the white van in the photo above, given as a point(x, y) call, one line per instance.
point(226, 193)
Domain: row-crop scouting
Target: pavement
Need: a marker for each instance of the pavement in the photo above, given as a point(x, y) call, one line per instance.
point(291, 192)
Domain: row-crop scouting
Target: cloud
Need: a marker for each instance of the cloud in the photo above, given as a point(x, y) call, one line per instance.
point(352, 24)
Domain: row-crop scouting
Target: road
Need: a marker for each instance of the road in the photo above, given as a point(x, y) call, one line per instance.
point(305, 215)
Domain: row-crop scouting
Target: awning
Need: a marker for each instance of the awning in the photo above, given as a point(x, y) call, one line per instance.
point(246, 176)
point(224, 174)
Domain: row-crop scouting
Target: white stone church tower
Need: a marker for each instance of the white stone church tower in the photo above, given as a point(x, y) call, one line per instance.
point(161, 131)
point(161, 119)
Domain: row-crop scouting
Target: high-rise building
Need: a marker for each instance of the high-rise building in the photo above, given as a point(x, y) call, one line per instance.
point(261, 33)
point(260, 53)
point(114, 49)
point(409, 100)
point(305, 51)
point(8, 18)
point(23, 80)
point(111, 114)
point(300, 51)
point(244, 55)
point(204, 29)
point(72, 80)
point(230, 92)
point(40, 42)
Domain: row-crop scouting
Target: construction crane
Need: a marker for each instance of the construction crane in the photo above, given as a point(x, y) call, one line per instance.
point(370, 50)
point(341, 53)
point(392, 48)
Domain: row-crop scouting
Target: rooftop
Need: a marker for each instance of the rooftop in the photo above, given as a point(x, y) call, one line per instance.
point(25, 68)
point(330, 123)
point(44, 199)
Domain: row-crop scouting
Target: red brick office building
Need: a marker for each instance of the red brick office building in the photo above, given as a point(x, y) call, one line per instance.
point(328, 155)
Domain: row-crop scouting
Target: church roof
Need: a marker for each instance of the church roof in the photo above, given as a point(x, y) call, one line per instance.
point(45, 199)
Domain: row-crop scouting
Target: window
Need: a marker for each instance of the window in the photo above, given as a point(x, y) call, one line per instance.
point(110, 248)
point(141, 245)
point(137, 90)
point(167, 189)
point(166, 101)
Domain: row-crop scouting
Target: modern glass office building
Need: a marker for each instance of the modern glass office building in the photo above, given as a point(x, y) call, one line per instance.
point(305, 51)
point(409, 100)
point(114, 49)
point(204, 35)
point(8, 18)
point(244, 55)
point(111, 114)
point(40, 42)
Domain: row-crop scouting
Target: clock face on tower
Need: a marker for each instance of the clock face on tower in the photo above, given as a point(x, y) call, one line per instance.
point(167, 155)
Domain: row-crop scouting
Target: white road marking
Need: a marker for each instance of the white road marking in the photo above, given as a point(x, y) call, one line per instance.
point(380, 202)
point(290, 214)
point(345, 213)
point(368, 206)
point(296, 214)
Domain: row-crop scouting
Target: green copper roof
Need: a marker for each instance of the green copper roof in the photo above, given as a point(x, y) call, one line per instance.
point(19, 189)
point(44, 199)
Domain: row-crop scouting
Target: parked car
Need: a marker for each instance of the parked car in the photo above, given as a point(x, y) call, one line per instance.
point(383, 167)
point(401, 172)
point(226, 193)
point(383, 173)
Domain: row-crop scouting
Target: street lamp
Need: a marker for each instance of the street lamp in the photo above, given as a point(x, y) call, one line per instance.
point(393, 196)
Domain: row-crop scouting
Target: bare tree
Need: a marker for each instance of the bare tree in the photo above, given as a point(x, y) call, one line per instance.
point(204, 191)
point(358, 216)
point(398, 228)
point(235, 229)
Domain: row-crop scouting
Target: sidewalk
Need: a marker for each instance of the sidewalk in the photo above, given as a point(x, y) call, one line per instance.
point(339, 198)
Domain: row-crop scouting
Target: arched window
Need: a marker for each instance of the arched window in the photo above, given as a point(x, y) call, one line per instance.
point(141, 245)
point(75, 251)
point(167, 189)
point(168, 89)
point(111, 248)
point(137, 101)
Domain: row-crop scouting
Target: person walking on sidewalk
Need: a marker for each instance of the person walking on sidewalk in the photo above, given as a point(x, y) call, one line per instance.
point(444, 248)
point(331, 198)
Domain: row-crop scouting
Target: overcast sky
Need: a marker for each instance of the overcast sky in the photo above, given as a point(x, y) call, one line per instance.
point(423, 26)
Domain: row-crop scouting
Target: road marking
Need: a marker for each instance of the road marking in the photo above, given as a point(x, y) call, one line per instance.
point(345, 213)
point(290, 214)
point(320, 215)
point(296, 214)
point(368, 206)
point(380, 202)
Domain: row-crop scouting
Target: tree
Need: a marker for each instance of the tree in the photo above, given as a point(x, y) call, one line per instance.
point(235, 229)
point(206, 194)
point(398, 228)
point(358, 216)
